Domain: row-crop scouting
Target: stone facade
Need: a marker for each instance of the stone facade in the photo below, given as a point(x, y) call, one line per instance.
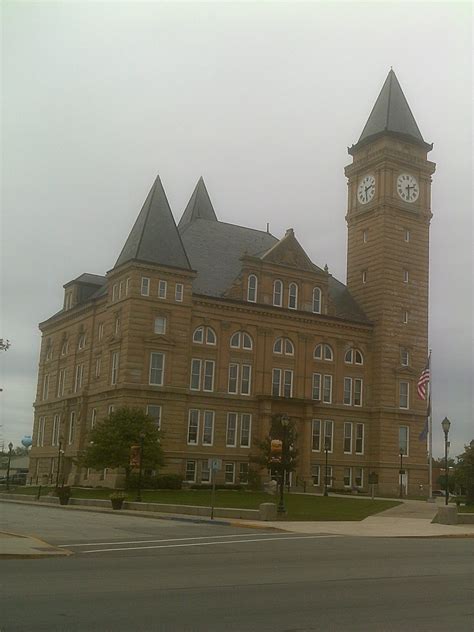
point(337, 360)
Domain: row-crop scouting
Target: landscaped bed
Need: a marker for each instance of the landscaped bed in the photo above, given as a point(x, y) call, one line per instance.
point(298, 506)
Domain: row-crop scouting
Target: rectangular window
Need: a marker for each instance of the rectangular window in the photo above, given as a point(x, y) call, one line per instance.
point(317, 386)
point(229, 473)
point(316, 435)
point(404, 357)
point(288, 383)
point(65, 347)
point(56, 430)
point(93, 418)
point(405, 318)
point(45, 387)
point(327, 389)
point(145, 286)
point(407, 235)
point(61, 382)
point(347, 437)
point(98, 363)
point(120, 289)
point(233, 377)
point(347, 391)
point(358, 477)
point(243, 473)
point(359, 441)
point(276, 382)
point(127, 286)
point(403, 435)
point(357, 391)
point(208, 428)
point(193, 427)
point(405, 276)
point(347, 477)
point(315, 475)
point(208, 381)
point(328, 435)
point(111, 409)
point(100, 331)
point(160, 325)
point(195, 383)
point(245, 425)
point(328, 475)
point(157, 367)
point(162, 287)
point(82, 342)
point(79, 376)
point(245, 379)
point(154, 412)
point(40, 435)
point(114, 292)
point(365, 235)
point(115, 368)
point(205, 472)
point(231, 434)
point(190, 474)
point(178, 292)
point(72, 427)
point(117, 326)
point(404, 395)
point(364, 276)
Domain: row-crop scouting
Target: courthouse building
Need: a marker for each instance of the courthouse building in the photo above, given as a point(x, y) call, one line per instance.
point(214, 328)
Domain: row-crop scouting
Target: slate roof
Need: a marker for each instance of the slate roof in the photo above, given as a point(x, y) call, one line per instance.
point(199, 206)
point(90, 279)
point(214, 249)
point(345, 305)
point(391, 113)
point(154, 237)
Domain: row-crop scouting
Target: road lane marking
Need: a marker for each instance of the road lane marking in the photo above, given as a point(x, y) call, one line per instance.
point(171, 546)
point(197, 537)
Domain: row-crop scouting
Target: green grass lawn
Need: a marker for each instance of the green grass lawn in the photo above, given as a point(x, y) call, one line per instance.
point(298, 506)
point(466, 509)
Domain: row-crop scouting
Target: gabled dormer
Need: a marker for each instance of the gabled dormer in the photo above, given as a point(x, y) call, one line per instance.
point(82, 289)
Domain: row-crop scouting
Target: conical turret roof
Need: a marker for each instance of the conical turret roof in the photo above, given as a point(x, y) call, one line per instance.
point(154, 237)
point(199, 206)
point(391, 113)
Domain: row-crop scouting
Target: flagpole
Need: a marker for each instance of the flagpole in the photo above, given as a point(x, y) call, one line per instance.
point(430, 435)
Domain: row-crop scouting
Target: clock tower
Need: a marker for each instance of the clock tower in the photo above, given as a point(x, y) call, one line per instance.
point(388, 219)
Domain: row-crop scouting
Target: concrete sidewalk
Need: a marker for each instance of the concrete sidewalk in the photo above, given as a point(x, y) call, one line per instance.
point(16, 546)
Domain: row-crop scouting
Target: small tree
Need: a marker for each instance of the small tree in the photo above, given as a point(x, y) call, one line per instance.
point(465, 472)
point(289, 457)
point(112, 439)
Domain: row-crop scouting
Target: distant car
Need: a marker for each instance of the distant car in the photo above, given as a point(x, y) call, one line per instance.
point(439, 492)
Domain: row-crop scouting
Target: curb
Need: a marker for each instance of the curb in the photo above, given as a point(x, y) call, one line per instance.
point(58, 552)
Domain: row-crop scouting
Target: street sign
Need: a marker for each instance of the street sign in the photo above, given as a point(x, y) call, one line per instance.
point(214, 464)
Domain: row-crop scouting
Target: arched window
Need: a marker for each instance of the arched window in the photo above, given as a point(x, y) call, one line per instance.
point(277, 293)
point(204, 335)
point(317, 300)
point(293, 296)
point(328, 354)
point(252, 288)
point(283, 346)
point(358, 357)
point(323, 352)
point(241, 340)
point(349, 356)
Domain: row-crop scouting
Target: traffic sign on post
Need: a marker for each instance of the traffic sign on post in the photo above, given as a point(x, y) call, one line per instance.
point(214, 464)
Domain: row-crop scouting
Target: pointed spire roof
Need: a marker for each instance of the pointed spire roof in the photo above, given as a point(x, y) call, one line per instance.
point(391, 114)
point(199, 206)
point(154, 237)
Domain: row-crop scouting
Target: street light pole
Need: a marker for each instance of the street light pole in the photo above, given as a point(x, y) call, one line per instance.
point(401, 473)
point(139, 490)
point(10, 448)
point(284, 420)
point(60, 452)
point(326, 450)
point(445, 424)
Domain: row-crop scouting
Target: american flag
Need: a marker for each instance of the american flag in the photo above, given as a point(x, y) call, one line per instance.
point(423, 380)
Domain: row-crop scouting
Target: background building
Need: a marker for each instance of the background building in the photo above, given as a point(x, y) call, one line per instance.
point(213, 328)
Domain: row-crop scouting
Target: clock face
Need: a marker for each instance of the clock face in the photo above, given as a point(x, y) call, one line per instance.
point(407, 187)
point(366, 189)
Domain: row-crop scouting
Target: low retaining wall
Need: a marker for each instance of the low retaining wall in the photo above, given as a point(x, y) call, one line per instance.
point(264, 513)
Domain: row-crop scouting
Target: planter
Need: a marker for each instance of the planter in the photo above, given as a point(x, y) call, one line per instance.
point(117, 503)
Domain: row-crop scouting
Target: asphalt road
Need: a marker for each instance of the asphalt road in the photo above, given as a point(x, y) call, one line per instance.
point(138, 574)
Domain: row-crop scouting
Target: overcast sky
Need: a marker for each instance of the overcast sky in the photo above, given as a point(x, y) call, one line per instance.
point(262, 99)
